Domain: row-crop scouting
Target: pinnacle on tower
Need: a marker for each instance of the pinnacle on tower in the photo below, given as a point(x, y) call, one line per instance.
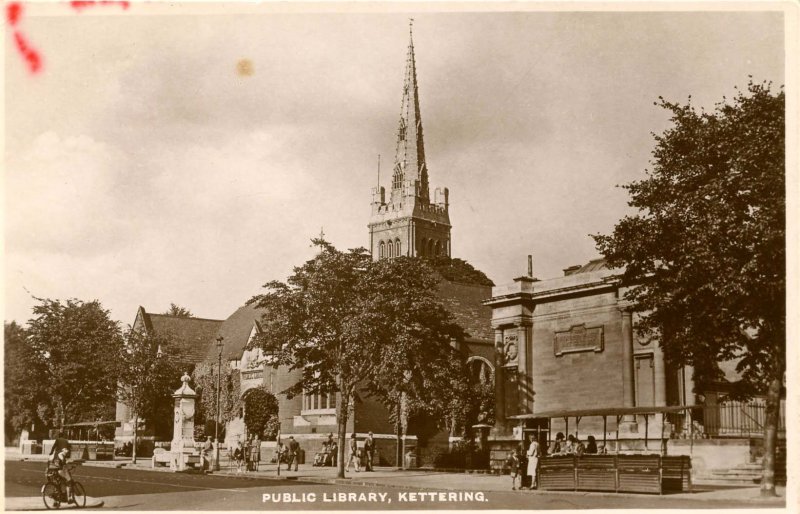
point(410, 164)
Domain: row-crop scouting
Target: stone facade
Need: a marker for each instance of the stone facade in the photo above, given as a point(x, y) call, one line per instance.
point(568, 344)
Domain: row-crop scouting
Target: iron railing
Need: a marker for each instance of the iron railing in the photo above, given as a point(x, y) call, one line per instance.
point(726, 419)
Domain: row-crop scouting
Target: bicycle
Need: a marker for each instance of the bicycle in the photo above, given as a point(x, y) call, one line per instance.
point(54, 492)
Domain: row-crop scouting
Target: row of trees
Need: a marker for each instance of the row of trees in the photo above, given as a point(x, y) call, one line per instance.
point(347, 323)
point(72, 362)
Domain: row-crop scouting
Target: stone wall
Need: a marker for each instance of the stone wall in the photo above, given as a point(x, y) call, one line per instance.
point(584, 379)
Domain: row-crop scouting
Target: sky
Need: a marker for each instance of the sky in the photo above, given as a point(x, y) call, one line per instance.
point(143, 167)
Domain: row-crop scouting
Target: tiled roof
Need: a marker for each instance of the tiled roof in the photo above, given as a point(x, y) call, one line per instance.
point(464, 302)
point(191, 335)
point(236, 331)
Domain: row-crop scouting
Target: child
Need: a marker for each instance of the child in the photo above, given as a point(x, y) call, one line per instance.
point(238, 456)
point(514, 464)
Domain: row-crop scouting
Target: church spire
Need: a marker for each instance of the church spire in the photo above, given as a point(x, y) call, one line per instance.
point(410, 167)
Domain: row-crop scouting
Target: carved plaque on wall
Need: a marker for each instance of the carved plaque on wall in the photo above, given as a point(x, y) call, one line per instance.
point(579, 338)
point(510, 349)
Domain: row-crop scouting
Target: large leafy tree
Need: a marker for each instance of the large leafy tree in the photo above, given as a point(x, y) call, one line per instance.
point(316, 324)
point(418, 364)
point(458, 270)
point(146, 372)
point(706, 250)
point(75, 345)
point(24, 393)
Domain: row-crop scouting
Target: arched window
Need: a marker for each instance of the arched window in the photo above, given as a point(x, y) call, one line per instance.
point(430, 248)
point(390, 253)
point(382, 250)
point(480, 370)
point(397, 177)
point(438, 249)
point(397, 251)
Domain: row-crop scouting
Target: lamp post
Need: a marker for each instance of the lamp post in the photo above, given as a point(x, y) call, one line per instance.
point(216, 425)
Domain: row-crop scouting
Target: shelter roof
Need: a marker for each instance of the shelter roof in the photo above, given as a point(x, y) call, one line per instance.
point(607, 411)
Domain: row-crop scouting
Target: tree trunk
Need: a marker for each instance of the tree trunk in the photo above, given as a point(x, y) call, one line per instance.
point(399, 433)
point(135, 437)
point(771, 437)
point(342, 404)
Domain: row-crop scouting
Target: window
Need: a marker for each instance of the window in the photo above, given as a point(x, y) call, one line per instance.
point(382, 250)
point(314, 402)
point(480, 370)
point(391, 250)
point(397, 251)
point(397, 177)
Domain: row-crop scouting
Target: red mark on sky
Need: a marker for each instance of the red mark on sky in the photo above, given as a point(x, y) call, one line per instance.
point(30, 55)
point(13, 13)
point(80, 5)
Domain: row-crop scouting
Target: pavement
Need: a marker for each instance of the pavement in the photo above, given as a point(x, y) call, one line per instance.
point(431, 480)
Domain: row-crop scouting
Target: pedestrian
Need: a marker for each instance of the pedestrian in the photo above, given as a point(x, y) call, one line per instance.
point(334, 452)
point(523, 466)
point(513, 462)
point(255, 453)
point(533, 461)
point(280, 453)
point(246, 457)
point(294, 450)
point(369, 452)
point(353, 454)
point(238, 456)
point(207, 447)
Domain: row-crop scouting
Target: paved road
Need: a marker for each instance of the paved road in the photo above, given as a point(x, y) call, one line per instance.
point(150, 490)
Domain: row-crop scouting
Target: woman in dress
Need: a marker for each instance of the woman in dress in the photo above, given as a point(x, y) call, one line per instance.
point(533, 461)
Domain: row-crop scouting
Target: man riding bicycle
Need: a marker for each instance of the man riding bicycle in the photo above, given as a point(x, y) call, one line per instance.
point(59, 465)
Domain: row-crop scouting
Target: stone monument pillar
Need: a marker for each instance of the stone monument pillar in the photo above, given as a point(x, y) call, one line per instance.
point(183, 427)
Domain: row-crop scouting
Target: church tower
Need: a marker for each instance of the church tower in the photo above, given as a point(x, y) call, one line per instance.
point(409, 223)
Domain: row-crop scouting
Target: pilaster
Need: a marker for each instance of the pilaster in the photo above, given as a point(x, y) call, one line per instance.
point(628, 424)
point(501, 424)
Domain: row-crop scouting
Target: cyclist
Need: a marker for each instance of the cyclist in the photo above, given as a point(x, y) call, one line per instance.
point(59, 464)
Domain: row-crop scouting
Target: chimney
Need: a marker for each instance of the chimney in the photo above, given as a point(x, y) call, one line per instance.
point(530, 266)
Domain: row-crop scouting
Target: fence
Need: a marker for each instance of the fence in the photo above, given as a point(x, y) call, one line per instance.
point(727, 419)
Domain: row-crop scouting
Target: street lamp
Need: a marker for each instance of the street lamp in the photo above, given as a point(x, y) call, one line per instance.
point(220, 344)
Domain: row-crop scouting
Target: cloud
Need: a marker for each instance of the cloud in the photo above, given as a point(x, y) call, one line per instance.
point(61, 196)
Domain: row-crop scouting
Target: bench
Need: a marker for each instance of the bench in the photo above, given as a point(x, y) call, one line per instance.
point(161, 457)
